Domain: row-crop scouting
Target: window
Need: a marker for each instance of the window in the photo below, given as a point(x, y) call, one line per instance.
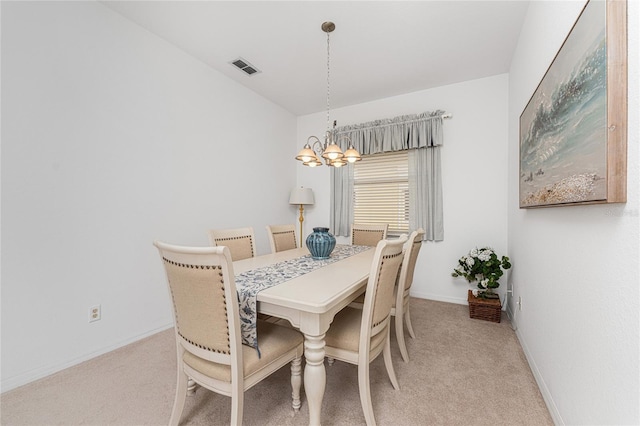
point(381, 191)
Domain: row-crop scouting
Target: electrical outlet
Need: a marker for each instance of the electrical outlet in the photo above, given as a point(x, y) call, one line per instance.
point(95, 313)
point(519, 303)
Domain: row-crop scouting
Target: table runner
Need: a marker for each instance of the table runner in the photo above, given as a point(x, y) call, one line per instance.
point(249, 283)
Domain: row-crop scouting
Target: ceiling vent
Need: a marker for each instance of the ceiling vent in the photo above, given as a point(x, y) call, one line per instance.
point(245, 66)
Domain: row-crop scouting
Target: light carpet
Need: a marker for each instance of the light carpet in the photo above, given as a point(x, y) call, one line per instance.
point(462, 371)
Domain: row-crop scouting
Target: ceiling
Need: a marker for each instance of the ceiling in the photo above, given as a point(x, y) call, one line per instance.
point(379, 48)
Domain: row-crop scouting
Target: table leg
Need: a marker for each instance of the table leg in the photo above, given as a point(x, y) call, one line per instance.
point(315, 376)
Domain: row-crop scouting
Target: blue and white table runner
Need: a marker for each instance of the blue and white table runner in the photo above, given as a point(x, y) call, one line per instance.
point(249, 283)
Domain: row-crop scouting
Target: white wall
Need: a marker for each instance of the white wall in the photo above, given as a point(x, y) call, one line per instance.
point(474, 164)
point(112, 138)
point(576, 268)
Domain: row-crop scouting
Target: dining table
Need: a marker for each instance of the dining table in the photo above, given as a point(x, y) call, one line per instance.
point(310, 302)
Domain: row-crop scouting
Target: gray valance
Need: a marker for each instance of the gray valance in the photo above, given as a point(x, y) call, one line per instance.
point(406, 132)
point(393, 134)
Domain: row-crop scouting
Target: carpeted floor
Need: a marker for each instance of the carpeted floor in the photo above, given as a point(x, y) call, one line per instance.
point(462, 372)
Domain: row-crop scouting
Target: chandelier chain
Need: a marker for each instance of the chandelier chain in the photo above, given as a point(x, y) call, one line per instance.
point(328, 85)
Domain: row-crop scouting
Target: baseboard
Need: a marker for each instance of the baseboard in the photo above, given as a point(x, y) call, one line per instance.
point(39, 373)
point(512, 317)
point(546, 395)
point(439, 298)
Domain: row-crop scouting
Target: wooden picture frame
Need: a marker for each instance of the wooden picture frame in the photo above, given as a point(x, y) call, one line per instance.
point(573, 130)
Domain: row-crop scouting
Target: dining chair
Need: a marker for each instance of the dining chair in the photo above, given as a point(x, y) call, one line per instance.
point(241, 241)
point(207, 329)
point(400, 308)
point(368, 235)
point(282, 237)
point(358, 336)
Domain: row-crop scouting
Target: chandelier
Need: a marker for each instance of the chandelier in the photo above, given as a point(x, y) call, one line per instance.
point(329, 149)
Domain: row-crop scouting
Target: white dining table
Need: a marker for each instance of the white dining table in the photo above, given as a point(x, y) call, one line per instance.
point(309, 302)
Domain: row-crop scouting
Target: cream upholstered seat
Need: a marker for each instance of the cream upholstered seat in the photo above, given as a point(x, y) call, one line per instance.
point(207, 328)
point(368, 235)
point(241, 241)
point(282, 237)
point(358, 336)
point(400, 309)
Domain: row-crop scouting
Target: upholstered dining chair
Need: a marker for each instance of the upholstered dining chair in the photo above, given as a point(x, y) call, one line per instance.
point(400, 308)
point(207, 329)
point(282, 237)
point(358, 336)
point(241, 241)
point(368, 235)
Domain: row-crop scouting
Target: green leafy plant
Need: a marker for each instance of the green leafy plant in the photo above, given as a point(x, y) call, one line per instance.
point(484, 266)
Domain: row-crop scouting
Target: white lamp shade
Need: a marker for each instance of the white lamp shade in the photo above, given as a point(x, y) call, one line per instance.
point(301, 196)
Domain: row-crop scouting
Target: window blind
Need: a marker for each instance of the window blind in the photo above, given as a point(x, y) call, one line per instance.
point(381, 191)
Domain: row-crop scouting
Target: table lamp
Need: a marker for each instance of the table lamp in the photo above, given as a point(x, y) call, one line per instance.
point(301, 196)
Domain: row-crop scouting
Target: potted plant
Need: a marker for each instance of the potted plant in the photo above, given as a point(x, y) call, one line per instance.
point(484, 266)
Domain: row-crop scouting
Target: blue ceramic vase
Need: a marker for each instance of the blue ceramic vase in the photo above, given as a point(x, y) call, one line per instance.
point(321, 243)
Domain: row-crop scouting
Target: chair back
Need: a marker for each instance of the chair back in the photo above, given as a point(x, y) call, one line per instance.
point(205, 303)
point(241, 241)
point(379, 296)
point(282, 237)
point(368, 235)
point(411, 250)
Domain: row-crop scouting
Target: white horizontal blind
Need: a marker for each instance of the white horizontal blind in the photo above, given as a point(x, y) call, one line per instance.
point(381, 191)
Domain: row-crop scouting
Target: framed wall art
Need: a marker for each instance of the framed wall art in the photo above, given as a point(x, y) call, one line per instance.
point(573, 131)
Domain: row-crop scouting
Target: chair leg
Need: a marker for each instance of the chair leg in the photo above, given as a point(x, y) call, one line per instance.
point(386, 353)
point(364, 387)
point(296, 383)
point(400, 336)
point(192, 387)
point(330, 361)
point(181, 396)
point(407, 320)
point(237, 404)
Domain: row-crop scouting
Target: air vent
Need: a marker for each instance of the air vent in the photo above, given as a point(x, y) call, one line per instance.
point(245, 66)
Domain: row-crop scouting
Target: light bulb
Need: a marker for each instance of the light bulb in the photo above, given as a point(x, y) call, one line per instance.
point(352, 155)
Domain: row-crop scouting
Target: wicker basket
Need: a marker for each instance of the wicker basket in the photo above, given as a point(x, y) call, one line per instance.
point(484, 309)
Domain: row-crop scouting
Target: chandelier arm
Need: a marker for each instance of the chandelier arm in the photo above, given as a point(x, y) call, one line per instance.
point(317, 146)
point(344, 137)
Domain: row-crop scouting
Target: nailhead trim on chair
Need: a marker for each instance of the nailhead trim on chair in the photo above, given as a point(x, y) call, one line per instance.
point(238, 238)
point(380, 322)
point(206, 348)
point(387, 256)
point(186, 265)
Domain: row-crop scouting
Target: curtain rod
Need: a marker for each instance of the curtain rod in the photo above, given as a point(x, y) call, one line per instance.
point(444, 115)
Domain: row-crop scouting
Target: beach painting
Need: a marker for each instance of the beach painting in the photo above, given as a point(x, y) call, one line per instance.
point(563, 128)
